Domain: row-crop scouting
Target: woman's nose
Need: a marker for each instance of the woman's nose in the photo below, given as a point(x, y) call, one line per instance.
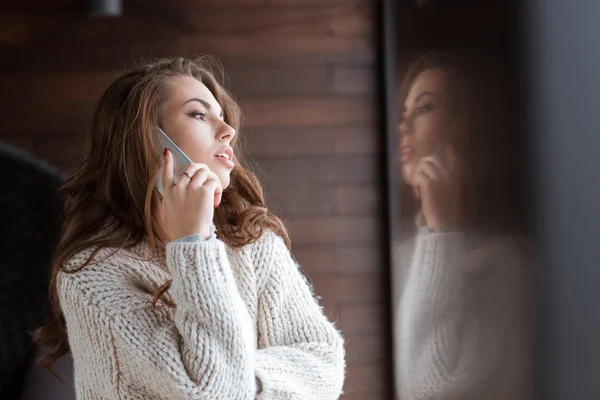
point(403, 128)
point(226, 132)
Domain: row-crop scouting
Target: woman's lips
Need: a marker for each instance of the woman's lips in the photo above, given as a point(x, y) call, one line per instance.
point(225, 155)
point(406, 153)
point(225, 161)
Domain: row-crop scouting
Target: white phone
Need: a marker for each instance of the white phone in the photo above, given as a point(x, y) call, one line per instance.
point(180, 159)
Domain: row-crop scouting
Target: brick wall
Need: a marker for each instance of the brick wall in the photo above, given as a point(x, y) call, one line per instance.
point(304, 72)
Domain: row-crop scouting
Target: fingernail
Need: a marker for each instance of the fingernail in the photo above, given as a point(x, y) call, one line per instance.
point(165, 152)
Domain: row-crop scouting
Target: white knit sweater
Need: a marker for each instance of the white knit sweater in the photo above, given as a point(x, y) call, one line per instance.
point(245, 321)
point(462, 318)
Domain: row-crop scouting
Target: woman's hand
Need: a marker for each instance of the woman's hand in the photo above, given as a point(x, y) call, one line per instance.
point(189, 203)
point(439, 187)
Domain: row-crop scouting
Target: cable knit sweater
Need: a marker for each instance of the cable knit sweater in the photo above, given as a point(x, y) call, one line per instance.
point(245, 322)
point(462, 321)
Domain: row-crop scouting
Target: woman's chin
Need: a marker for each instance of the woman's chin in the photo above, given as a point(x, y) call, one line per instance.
point(408, 174)
point(225, 180)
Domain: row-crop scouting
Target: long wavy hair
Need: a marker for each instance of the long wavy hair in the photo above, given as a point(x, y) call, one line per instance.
point(110, 201)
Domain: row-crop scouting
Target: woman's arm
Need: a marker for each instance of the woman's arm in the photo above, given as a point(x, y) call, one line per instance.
point(301, 354)
point(208, 353)
point(461, 324)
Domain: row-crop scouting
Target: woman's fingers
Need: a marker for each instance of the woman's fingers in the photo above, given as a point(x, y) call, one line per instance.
point(205, 179)
point(198, 178)
point(189, 207)
point(215, 186)
point(168, 178)
point(422, 181)
point(435, 160)
point(194, 171)
point(431, 167)
point(441, 171)
point(417, 191)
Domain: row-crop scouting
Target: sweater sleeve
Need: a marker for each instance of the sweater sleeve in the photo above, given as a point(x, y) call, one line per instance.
point(301, 354)
point(208, 353)
point(459, 333)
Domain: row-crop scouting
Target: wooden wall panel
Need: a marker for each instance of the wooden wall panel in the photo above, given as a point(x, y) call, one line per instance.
point(304, 72)
point(306, 141)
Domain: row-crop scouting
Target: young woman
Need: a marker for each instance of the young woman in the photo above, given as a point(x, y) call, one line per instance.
point(192, 294)
point(462, 326)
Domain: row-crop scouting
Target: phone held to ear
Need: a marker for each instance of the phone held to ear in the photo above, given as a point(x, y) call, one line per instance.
point(180, 159)
point(440, 151)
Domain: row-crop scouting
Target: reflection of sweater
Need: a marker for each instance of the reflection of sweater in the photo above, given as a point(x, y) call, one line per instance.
point(239, 315)
point(462, 329)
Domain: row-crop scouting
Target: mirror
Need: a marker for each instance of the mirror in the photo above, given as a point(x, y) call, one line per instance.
point(463, 271)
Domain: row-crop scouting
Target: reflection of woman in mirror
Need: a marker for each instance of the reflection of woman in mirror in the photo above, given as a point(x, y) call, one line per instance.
point(461, 329)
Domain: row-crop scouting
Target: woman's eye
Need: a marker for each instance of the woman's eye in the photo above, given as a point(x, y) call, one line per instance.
point(425, 108)
point(199, 115)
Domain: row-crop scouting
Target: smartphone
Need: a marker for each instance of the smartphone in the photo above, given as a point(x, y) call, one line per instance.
point(440, 150)
point(180, 159)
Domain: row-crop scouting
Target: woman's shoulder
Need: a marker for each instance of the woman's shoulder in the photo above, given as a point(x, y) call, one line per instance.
point(478, 252)
point(266, 254)
point(265, 245)
point(500, 254)
point(115, 280)
point(499, 245)
point(105, 262)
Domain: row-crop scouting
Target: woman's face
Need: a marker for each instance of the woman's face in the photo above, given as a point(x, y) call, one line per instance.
point(424, 120)
point(193, 119)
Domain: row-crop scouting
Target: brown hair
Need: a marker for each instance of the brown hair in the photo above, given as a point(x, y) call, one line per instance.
point(112, 191)
point(456, 82)
point(490, 195)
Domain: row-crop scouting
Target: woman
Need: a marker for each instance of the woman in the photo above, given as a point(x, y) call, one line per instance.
point(461, 285)
point(151, 300)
